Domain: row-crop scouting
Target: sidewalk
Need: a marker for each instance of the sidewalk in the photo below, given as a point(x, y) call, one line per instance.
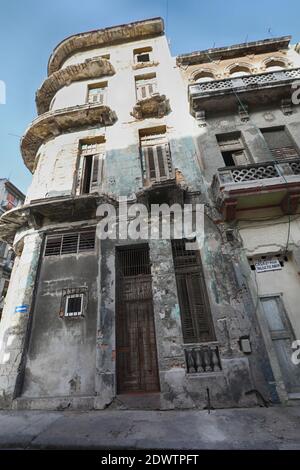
point(255, 428)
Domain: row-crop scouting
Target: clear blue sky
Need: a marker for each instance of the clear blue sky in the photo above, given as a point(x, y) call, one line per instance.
point(30, 29)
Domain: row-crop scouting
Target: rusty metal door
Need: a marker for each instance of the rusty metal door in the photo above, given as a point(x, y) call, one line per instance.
point(137, 369)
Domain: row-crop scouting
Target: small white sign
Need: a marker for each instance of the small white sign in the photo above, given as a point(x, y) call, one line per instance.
point(267, 265)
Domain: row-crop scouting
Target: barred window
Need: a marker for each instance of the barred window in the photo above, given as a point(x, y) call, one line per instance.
point(73, 302)
point(70, 243)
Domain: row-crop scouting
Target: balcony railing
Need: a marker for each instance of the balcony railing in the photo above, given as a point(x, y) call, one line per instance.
point(246, 82)
point(258, 171)
point(202, 358)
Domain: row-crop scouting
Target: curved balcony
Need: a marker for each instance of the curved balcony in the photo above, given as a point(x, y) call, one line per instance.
point(56, 209)
point(104, 37)
point(89, 69)
point(57, 122)
point(221, 94)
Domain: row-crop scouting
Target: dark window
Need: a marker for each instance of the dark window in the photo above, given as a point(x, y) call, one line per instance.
point(143, 57)
point(74, 306)
point(232, 149)
point(73, 302)
point(193, 299)
point(228, 158)
point(70, 243)
point(134, 260)
point(88, 165)
point(92, 165)
point(280, 143)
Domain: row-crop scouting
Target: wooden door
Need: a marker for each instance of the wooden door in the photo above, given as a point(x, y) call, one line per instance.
point(137, 369)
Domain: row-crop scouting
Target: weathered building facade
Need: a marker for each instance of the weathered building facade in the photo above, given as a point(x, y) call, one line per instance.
point(92, 323)
point(245, 100)
point(10, 197)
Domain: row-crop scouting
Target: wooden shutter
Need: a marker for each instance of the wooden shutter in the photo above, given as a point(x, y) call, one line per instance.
point(96, 175)
point(280, 144)
point(145, 88)
point(195, 312)
point(240, 157)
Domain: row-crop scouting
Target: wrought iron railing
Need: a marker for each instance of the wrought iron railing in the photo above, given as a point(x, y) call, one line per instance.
point(202, 358)
point(247, 82)
point(258, 171)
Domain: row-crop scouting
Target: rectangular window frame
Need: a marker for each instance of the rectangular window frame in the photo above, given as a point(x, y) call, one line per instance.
point(59, 250)
point(100, 95)
point(157, 159)
point(232, 142)
point(145, 86)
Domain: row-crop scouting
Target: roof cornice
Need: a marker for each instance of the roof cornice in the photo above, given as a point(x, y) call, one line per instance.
point(237, 50)
point(104, 37)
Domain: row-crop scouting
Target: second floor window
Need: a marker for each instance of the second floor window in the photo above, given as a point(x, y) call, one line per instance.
point(280, 143)
point(156, 158)
point(92, 157)
point(97, 93)
point(145, 87)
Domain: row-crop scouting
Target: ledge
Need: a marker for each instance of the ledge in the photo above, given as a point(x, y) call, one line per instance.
point(237, 50)
point(91, 68)
point(57, 209)
point(104, 37)
point(57, 122)
point(155, 106)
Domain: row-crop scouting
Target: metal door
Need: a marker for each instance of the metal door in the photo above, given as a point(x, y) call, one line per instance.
point(282, 337)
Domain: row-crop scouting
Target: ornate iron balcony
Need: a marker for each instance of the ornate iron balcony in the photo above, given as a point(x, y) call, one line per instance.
point(248, 81)
point(265, 184)
point(202, 358)
point(201, 94)
point(258, 171)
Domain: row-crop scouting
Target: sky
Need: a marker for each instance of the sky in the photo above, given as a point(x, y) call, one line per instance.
point(30, 29)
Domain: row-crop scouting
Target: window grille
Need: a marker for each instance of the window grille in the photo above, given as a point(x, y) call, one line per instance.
point(73, 302)
point(134, 260)
point(70, 243)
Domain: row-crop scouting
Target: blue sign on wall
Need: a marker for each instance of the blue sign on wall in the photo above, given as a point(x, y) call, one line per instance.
point(22, 309)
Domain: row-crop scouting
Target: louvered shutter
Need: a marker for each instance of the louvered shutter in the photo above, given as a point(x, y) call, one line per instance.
point(150, 163)
point(161, 161)
point(280, 144)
